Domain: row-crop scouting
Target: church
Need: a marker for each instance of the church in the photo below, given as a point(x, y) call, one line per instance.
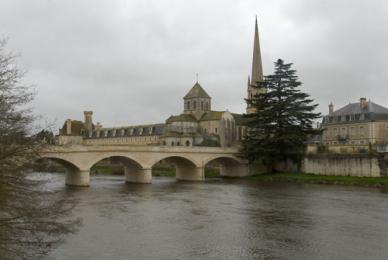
point(196, 125)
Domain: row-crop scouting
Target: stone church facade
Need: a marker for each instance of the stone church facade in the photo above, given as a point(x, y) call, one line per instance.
point(197, 125)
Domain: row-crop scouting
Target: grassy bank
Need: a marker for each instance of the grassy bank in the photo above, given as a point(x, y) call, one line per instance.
point(321, 179)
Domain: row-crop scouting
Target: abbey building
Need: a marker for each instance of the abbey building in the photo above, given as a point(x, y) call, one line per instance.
point(196, 125)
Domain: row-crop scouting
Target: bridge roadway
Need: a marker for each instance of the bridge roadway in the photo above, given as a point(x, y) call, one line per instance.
point(189, 162)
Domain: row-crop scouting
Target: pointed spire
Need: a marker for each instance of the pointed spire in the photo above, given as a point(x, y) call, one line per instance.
point(257, 68)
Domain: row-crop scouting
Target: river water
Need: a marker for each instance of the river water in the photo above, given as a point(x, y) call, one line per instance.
point(223, 219)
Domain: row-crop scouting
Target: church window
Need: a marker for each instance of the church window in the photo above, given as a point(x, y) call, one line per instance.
point(187, 143)
point(206, 106)
point(194, 104)
point(178, 143)
point(164, 143)
point(201, 105)
point(172, 143)
point(188, 105)
point(386, 127)
point(216, 130)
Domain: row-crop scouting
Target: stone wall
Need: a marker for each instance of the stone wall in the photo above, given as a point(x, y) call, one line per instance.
point(361, 165)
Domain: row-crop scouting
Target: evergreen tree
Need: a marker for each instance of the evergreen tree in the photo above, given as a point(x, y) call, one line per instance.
point(284, 117)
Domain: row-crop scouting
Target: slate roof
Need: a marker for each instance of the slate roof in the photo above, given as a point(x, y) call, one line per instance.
point(157, 129)
point(353, 112)
point(181, 118)
point(355, 108)
point(196, 92)
point(239, 119)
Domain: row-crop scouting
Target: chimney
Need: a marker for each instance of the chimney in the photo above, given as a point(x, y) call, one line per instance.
point(331, 108)
point(88, 120)
point(68, 127)
point(363, 103)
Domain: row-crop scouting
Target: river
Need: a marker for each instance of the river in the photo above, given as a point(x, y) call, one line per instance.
point(223, 219)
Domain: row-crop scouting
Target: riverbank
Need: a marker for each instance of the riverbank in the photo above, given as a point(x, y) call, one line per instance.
point(321, 179)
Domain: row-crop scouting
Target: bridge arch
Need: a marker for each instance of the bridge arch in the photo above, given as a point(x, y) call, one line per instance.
point(74, 175)
point(63, 162)
point(133, 169)
point(185, 168)
point(228, 165)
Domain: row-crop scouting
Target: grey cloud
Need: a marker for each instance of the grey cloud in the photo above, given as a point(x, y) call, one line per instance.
point(133, 61)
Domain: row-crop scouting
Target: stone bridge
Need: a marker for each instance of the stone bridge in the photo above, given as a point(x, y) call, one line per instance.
point(189, 162)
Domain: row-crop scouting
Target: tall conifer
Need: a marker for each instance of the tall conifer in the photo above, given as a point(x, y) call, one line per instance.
point(284, 118)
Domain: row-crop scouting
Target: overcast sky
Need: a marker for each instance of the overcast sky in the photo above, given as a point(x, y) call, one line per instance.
point(131, 62)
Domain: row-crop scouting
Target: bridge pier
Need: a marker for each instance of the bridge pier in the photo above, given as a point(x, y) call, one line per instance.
point(80, 178)
point(234, 170)
point(185, 173)
point(138, 175)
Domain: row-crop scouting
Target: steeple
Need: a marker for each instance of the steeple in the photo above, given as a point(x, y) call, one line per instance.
point(257, 71)
point(257, 68)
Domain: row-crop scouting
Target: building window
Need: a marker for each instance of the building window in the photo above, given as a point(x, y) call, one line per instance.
point(206, 106)
point(172, 143)
point(386, 127)
point(188, 105)
point(178, 143)
point(201, 105)
point(187, 143)
point(164, 143)
point(216, 130)
point(194, 105)
point(352, 131)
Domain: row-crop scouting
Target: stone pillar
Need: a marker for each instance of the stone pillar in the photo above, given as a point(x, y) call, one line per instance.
point(77, 177)
point(234, 171)
point(133, 175)
point(190, 173)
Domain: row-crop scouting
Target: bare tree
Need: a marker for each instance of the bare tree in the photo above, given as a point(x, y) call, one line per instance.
point(32, 221)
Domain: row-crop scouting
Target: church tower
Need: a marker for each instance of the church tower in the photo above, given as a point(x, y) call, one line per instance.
point(197, 101)
point(257, 71)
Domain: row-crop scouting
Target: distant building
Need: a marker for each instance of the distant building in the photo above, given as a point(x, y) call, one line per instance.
point(198, 125)
point(355, 126)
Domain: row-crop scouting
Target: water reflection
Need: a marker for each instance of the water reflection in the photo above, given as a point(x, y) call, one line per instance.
point(225, 219)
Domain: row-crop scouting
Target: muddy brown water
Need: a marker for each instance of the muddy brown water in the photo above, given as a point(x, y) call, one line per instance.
point(223, 219)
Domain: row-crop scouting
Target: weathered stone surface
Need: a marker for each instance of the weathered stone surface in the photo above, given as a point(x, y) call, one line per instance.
point(138, 161)
point(355, 165)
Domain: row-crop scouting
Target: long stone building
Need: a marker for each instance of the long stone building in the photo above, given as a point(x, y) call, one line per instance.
point(196, 125)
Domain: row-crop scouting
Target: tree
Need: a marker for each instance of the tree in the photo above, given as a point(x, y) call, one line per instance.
point(284, 117)
point(29, 225)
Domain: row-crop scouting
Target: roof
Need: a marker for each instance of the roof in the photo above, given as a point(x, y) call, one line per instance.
point(76, 127)
point(196, 92)
point(239, 119)
point(354, 112)
point(212, 115)
point(138, 130)
point(181, 118)
point(355, 108)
